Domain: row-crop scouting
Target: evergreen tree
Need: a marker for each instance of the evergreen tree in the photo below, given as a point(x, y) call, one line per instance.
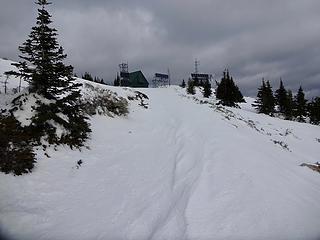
point(237, 92)
point(201, 83)
point(259, 103)
point(116, 81)
point(314, 110)
point(207, 89)
point(43, 68)
point(270, 100)
point(289, 105)
point(227, 91)
point(196, 81)
point(264, 102)
point(300, 105)
point(281, 98)
point(190, 87)
point(16, 152)
point(183, 84)
point(87, 76)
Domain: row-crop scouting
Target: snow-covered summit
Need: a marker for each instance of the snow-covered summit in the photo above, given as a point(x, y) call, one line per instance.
point(176, 167)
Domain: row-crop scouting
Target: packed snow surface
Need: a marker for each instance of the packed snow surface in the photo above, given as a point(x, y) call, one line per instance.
point(180, 169)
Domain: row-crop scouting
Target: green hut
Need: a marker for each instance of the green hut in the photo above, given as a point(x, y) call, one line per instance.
point(136, 80)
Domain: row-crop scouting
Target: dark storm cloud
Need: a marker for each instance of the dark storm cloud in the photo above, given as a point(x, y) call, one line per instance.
point(254, 39)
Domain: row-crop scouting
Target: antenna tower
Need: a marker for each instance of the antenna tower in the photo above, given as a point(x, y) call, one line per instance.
point(196, 66)
point(124, 67)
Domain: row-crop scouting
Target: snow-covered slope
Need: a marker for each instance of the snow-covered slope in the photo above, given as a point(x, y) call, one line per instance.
point(181, 169)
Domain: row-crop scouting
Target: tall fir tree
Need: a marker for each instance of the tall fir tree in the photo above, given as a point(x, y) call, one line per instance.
point(264, 102)
point(50, 78)
point(238, 95)
point(228, 92)
point(259, 102)
point(270, 100)
point(281, 98)
point(207, 89)
point(16, 150)
point(201, 83)
point(196, 81)
point(191, 87)
point(300, 110)
point(289, 105)
point(314, 110)
point(116, 81)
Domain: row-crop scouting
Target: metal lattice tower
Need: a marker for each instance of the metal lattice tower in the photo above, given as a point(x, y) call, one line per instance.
point(196, 66)
point(124, 74)
point(124, 67)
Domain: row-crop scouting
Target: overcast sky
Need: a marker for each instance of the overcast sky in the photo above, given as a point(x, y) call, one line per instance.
point(253, 38)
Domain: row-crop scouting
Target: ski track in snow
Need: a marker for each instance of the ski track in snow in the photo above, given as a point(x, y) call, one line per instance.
point(184, 177)
point(178, 170)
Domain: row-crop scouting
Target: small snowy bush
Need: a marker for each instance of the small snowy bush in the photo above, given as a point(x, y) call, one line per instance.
point(103, 102)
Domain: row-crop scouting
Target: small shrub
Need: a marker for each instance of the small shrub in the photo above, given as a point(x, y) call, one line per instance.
point(104, 102)
point(282, 144)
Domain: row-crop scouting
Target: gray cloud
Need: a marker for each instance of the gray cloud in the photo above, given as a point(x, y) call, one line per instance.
point(254, 39)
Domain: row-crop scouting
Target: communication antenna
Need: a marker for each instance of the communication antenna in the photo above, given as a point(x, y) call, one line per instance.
point(196, 66)
point(124, 67)
point(124, 73)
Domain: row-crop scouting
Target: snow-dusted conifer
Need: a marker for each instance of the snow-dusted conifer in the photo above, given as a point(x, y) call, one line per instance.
point(289, 105)
point(191, 87)
point(314, 110)
point(207, 89)
point(116, 81)
point(264, 102)
point(228, 92)
point(270, 100)
point(87, 76)
point(281, 97)
point(300, 105)
point(52, 80)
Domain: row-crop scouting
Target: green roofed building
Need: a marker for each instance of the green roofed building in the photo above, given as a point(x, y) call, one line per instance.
point(134, 79)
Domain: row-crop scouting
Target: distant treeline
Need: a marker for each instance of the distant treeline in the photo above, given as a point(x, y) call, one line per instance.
point(284, 104)
point(88, 76)
point(227, 91)
point(281, 103)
